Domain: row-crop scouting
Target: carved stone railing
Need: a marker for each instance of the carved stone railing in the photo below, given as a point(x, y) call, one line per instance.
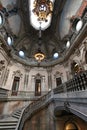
point(78, 83)
point(3, 93)
point(34, 106)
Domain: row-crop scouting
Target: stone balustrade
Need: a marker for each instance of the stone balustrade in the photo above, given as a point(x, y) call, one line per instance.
point(3, 93)
point(78, 83)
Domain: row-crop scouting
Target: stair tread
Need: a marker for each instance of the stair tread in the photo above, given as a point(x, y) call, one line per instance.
point(16, 114)
point(7, 127)
point(10, 119)
point(8, 123)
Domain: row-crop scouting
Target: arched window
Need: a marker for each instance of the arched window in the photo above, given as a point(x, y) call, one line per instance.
point(74, 67)
point(2, 19)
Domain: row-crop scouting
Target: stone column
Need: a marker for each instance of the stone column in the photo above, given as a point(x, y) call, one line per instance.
point(26, 77)
point(43, 83)
point(49, 70)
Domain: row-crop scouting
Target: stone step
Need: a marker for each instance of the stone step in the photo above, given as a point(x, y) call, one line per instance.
point(8, 127)
point(16, 116)
point(17, 113)
point(8, 123)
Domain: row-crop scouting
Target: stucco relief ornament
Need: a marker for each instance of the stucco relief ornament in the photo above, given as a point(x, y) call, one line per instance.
point(2, 65)
point(17, 73)
point(85, 43)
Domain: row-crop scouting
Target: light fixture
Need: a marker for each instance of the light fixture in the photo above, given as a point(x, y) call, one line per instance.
point(39, 55)
point(43, 8)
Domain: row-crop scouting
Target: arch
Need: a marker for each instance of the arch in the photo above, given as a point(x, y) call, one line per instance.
point(76, 68)
point(70, 110)
point(71, 126)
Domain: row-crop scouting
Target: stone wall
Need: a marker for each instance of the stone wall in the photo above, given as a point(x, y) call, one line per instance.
point(42, 120)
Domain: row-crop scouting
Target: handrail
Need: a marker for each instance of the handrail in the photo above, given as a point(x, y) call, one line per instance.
point(20, 118)
point(78, 83)
point(33, 106)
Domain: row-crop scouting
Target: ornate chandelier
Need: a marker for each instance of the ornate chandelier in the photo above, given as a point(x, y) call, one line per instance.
point(43, 8)
point(39, 56)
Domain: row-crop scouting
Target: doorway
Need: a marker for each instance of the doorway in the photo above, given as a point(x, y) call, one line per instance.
point(15, 86)
point(38, 87)
point(58, 81)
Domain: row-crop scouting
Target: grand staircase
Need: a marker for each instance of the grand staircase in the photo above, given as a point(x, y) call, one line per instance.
point(70, 96)
point(10, 123)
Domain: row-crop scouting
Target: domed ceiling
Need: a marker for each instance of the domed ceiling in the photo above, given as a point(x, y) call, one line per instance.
point(25, 31)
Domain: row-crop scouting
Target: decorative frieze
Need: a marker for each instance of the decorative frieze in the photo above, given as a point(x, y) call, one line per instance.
point(17, 74)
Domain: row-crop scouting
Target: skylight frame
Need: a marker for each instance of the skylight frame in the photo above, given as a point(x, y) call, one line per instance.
point(33, 18)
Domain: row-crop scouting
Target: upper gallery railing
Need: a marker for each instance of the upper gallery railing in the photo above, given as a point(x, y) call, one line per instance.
point(78, 83)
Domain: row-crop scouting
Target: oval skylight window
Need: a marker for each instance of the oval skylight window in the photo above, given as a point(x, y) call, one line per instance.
point(1, 19)
point(79, 25)
point(55, 55)
point(21, 53)
point(9, 40)
point(41, 13)
point(68, 44)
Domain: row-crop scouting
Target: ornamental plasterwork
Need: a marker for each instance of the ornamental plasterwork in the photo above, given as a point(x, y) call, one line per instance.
point(38, 76)
point(2, 65)
point(85, 43)
point(27, 69)
point(57, 74)
point(17, 73)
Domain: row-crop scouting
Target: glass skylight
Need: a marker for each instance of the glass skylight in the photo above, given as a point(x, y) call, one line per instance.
point(34, 19)
point(68, 44)
point(21, 53)
point(55, 55)
point(9, 40)
point(1, 19)
point(79, 25)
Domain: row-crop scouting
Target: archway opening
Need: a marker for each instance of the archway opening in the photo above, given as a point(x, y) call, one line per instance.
point(71, 126)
